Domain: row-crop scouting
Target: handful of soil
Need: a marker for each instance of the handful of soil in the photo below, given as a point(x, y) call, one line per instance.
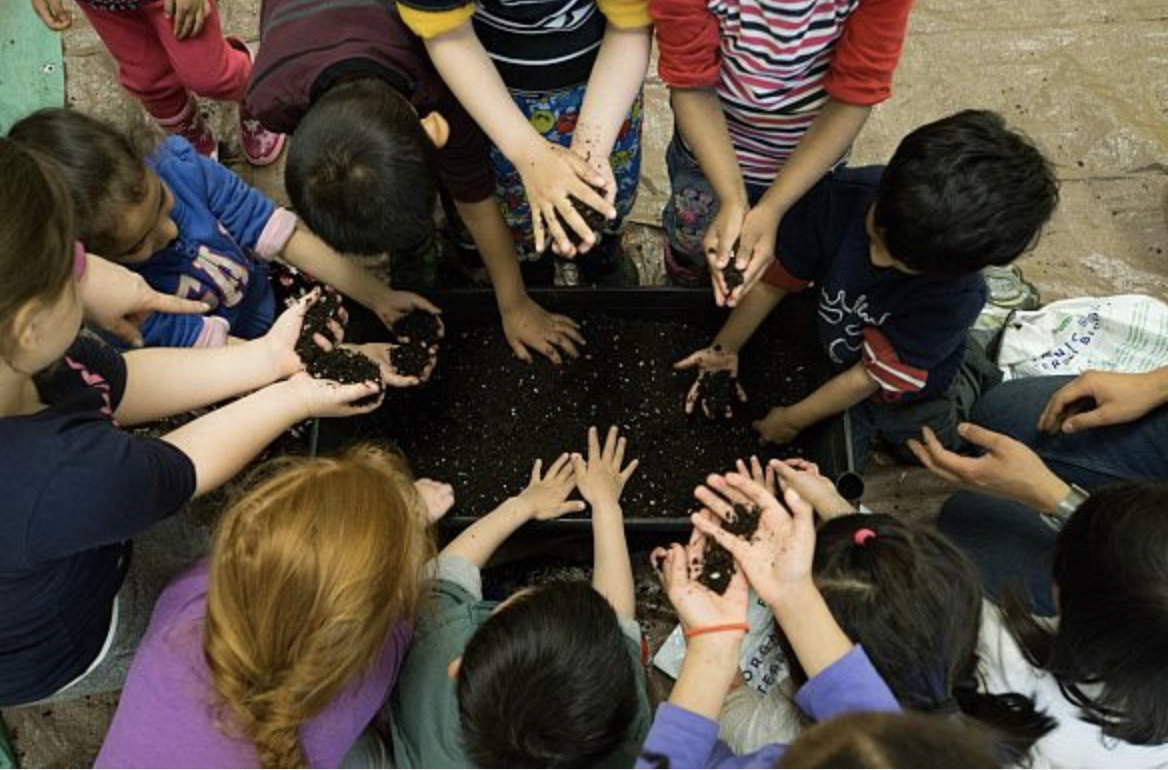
point(417, 335)
point(338, 364)
point(731, 275)
point(717, 394)
point(593, 218)
point(718, 566)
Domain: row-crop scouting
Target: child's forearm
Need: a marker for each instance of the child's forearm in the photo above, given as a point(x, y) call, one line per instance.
point(308, 253)
point(493, 239)
point(617, 75)
point(612, 573)
point(703, 126)
point(471, 76)
point(748, 315)
point(707, 673)
point(838, 394)
point(814, 634)
point(478, 542)
point(222, 442)
point(826, 141)
point(165, 381)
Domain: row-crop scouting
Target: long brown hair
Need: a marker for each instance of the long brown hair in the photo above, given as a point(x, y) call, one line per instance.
point(310, 571)
point(36, 233)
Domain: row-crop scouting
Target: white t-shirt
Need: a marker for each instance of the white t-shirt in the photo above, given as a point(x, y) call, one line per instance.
point(1074, 742)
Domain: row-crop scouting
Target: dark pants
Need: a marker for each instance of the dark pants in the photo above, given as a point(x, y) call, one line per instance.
point(1010, 543)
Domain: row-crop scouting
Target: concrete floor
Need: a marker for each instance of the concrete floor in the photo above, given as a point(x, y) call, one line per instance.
point(1084, 79)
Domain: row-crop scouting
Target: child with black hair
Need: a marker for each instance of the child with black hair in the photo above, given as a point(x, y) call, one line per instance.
point(894, 255)
point(77, 488)
point(193, 228)
point(552, 677)
point(374, 129)
point(1098, 668)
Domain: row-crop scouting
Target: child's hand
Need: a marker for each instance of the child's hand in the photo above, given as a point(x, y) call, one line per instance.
point(778, 558)
point(53, 14)
point(553, 175)
point(707, 361)
point(188, 16)
point(325, 398)
point(756, 247)
point(528, 325)
point(436, 497)
point(392, 305)
point(718, 244)
point(601, 480)
point(764, 478)
point(697, 606)
point(380, 353)
point(285, 332)
point(818, 490)
point(778, 427)
point(545, 495)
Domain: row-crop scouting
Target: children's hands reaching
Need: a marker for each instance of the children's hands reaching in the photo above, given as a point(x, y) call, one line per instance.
point(285, 332)
point(708, 361)
point(188, 16)
point(546, 495)
point(391, 305)
point(436, 498)
point(53, 14)
point(777, 560)
point(718, 244)
point(756, 473)
point(601, 479)
point(380, 353)
point(553, 175)
point(325, 398)
point(778, 427)
point(678, 568)
point(527, 325)
point(818, 490)
point(756, 247)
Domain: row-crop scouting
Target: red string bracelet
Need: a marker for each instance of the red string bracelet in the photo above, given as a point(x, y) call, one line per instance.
point(690, 634)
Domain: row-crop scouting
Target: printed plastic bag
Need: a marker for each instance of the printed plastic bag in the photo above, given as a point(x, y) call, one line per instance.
point(1126, 333)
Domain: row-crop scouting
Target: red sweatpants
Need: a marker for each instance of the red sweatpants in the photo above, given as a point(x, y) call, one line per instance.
point(162, 71)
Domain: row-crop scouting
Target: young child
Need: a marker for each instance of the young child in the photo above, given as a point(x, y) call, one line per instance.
point(192, 228)
point(776, 563)
point(76, 487)
point(555, 84)
point(768, 96)
point(894, 255)
point(373, 122)
point(1098, 668)
point(168, 52)
point(911, 599)
point(550, 677)
point(292, 632)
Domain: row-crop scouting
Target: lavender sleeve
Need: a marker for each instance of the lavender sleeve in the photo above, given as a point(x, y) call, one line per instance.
point(852, 683)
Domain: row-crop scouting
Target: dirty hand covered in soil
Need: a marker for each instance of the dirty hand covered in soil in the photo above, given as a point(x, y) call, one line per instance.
point(336, 364)
point(418, 335)
point(595, 220)
point(718, 565)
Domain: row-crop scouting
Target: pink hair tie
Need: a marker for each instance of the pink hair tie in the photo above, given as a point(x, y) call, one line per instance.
point(863, 535)
point(79, 261)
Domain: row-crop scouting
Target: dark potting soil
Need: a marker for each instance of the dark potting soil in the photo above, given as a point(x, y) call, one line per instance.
point(731, 275)
point(483, 417)
point(417, 327)
point(718, 566)
point(410, 359)
point(338, 365)
point(316, 321)
point(718, 393)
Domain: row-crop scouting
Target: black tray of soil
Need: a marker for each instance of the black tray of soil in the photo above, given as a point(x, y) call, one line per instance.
point(484, 417)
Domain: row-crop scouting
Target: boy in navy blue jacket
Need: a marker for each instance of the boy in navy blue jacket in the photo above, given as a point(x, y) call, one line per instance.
point(894, 254)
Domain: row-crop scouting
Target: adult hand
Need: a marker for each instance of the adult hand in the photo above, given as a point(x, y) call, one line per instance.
point(778, 427)
point(818, 490)
point(119, 300)
point(546, 494)
point(391, 305)
point(1008, 469)
point(678, 568)
point(777, 560)
point(719, 244)
point(1096, 399)
point(552, 176)
point(756, 248)
point(527, 325)
point(188, 16)
point(602, 479)
point(436, 497)
point(53, 14)
point(708, 361)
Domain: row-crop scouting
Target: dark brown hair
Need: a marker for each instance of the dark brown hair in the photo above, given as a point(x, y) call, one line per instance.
point(100, 164)
point(36, 233)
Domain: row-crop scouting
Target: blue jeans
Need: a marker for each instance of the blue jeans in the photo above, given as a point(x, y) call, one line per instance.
point(1009, 542)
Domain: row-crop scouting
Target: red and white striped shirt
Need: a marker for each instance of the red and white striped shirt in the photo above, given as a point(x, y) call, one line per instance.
point(775, 63)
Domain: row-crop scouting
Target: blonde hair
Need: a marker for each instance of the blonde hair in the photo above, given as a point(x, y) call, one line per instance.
point(310, 571)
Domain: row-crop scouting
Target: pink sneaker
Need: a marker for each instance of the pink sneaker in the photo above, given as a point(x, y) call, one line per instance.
point(261, 147)
point(190, 125)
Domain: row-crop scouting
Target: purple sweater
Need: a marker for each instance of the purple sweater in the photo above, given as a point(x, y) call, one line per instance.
point(685, 739)
point(166, 717)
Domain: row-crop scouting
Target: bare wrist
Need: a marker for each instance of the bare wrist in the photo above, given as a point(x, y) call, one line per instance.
point(788, 601)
